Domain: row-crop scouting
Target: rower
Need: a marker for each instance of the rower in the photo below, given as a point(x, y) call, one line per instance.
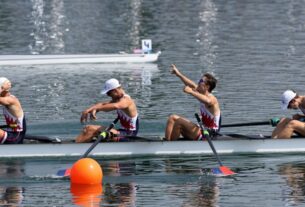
point(209, 109)
point(120, 102)
point(15, 129)
point(287, 126)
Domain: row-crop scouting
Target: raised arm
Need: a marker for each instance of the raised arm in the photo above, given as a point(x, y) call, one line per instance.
point(174, 70)
point(209, 100)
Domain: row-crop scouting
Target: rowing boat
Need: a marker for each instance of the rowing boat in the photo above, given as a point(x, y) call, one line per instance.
point(233, 144)
point(6, 60)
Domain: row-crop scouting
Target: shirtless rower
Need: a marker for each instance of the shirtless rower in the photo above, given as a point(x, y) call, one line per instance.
point(209, 109)
point(120, 102)
point(287, 126)
point(15, 130)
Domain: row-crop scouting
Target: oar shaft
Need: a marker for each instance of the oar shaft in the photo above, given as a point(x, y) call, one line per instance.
point(209, 140)
point(99, 139)
point(247, 124)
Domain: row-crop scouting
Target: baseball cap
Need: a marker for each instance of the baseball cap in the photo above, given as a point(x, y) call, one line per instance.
point(3, 80)
point(287, 96)
point(110, 85)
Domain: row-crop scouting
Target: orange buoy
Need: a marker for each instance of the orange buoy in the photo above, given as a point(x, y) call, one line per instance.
point(86, 171)
point(86, 195)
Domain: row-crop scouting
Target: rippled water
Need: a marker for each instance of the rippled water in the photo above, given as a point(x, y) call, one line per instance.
point(255, 49)
point(164, 181)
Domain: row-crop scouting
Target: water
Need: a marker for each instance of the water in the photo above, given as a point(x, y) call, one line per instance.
point(163, 181)
point(254, 48)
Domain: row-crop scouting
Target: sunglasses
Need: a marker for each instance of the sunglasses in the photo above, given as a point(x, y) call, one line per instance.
point(201, 81)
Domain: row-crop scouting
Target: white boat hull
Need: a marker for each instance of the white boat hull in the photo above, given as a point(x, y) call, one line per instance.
point(77, 59)
point(156, 148)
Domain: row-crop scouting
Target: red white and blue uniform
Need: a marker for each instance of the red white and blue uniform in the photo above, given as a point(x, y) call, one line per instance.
point(130, 125)
point(209, 121)
point(15, 132)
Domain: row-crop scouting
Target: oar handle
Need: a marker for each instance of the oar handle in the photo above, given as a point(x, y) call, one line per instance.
point(209, 139)
point(8, 126)
point(100, 137)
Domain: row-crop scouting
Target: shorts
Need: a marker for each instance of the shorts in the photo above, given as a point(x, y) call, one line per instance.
point(13, 137)
point(125, 135)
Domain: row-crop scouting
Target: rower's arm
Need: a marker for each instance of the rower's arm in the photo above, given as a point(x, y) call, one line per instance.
point(110, 106)
point(7, 101)
point(97, 107)
point(202, 98)
point(183, 78)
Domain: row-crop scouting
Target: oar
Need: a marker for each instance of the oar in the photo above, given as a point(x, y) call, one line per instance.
point(8, 126)
point(222, 170)
point(272, 122)
point(102, 135)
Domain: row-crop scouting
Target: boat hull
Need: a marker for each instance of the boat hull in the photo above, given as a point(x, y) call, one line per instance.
point(242, 146)
point(77, 59)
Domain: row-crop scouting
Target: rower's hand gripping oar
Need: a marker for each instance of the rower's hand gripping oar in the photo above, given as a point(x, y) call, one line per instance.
point(102, 135)
point(222, 170)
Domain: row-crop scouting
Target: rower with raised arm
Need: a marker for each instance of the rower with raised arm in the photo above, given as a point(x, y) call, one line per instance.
point(209, 109)
point(15, 129)
point(120, 102)
point(287, 126)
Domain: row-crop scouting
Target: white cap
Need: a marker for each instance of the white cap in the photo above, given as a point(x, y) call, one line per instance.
point(287, 96)
point(110, 85)
point(3, 80)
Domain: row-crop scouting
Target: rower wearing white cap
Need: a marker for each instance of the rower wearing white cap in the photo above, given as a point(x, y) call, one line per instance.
point(123, 104)
point(287, 126)
point(15, 130)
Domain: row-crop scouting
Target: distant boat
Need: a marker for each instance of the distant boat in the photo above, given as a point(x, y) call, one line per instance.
point(78, 59)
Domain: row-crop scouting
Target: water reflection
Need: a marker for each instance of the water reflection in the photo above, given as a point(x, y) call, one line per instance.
point(128, 181)
point(11, 195)
point(294, 174)
point(207, 195)
point(123, 194)
point(86, 195)
point(204, 192)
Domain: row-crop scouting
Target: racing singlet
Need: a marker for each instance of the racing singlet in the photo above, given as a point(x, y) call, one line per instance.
point(209, 120)
point(15, 124)
point(128, 123)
